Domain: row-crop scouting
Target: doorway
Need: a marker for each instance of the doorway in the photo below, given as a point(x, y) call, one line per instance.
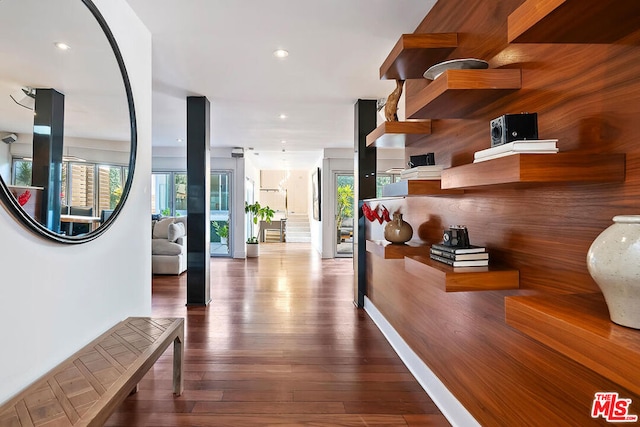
point(220, 214)
point(344, 214)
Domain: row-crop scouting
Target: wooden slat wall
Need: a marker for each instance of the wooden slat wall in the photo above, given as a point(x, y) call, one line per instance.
point(588, 97)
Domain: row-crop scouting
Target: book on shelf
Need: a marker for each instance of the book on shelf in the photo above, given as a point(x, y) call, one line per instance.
point(460, 257)
point(511, 153)
point(434, 170)
point(421, 176)
point(539, 146)
point(453, 263)
point(456, 250)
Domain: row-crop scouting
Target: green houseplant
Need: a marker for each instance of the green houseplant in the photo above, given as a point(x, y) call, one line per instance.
point(222, 231)
point(256, 213)
point(345, 205)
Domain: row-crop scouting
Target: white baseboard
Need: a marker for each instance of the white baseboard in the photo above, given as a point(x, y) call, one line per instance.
point(450, 407)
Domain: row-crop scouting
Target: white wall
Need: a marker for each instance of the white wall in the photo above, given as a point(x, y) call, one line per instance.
point(56, 298)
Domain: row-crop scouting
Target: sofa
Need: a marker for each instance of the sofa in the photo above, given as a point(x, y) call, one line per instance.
point(169, 245)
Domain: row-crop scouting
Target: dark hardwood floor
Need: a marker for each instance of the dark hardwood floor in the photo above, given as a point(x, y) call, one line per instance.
point(280, 345)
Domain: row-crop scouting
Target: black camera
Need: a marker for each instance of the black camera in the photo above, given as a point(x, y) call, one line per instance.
point(428, 159)
point(514, 127)
point(456, 236)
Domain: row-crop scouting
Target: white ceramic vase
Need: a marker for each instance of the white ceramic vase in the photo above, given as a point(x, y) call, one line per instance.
point(614, 263)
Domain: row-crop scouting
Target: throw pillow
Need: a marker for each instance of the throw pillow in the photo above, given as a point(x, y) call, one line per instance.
point(175, 231)
point(161, 230)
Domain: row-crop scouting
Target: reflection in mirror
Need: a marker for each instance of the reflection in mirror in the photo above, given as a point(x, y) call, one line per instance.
point(60, 45)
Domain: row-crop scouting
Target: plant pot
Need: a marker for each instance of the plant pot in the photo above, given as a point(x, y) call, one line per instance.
point(224, 240)
point(253, 250)
point(613, 263)
point(397, 230)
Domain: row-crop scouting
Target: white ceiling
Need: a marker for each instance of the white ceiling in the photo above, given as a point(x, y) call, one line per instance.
point(223, 50)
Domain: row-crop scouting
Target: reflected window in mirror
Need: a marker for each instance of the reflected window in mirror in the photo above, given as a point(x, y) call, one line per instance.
point(95, 186)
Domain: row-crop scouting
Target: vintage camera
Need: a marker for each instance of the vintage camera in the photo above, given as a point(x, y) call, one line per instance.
point(514, 127)
point(456, 236)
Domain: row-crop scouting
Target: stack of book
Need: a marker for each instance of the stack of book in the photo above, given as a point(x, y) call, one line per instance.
point(422, 172)
point(537, 146)
point(471, 256)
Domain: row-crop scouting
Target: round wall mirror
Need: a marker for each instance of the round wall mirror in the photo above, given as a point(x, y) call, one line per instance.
point(67, 119)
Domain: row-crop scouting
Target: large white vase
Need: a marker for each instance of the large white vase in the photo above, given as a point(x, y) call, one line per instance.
point(614, 263)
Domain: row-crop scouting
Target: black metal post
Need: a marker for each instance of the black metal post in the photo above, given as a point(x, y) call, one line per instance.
point(198, 195)
point(48, 135)
point(365, 188)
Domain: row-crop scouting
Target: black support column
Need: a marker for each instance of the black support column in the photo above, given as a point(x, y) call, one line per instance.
point(365, 188)
point(198, 195)
point(48, 135)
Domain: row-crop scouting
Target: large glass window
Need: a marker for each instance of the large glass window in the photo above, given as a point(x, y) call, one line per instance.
point(220, 213)
point(161, 193)
point(83, 185)
point(180, 194)
point(344, 216)
point(383, 179)
point(22, 172)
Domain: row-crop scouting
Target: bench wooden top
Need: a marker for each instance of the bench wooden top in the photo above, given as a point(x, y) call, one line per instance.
point(84, 389)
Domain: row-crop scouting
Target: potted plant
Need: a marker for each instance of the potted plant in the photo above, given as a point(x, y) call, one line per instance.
point(256, 213)
point(222, 231)
point(345, 206)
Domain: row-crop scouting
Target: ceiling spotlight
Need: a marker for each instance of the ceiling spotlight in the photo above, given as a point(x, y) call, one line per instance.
point(179, 140)
point(283, 141)
point(283, 116)
point(26, 98)
point(280, 53)
point(62, 46)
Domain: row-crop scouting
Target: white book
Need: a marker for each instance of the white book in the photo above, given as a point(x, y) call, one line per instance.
point(421, 169)
point(511, 153)
point(519, 146)
point(406, 175)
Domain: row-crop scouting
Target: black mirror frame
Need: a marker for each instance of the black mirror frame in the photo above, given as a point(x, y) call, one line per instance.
point(25, 219)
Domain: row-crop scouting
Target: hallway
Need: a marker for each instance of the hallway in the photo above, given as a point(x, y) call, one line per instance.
point(280, 344)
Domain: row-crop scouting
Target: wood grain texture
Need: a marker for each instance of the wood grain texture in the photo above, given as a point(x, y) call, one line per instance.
point(588, 97)
point(573, 21)
point(500, 375)
point(414, 53)
point(86, 388)
point(417, 187)
point(399, 134)
point(281, 344)
point(460, 279)
point(578, 326)
point(457, 93)
point(388, 250)
point(537, 168)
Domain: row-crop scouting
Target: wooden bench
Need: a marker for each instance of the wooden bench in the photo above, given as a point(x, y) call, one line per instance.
point(87, 387)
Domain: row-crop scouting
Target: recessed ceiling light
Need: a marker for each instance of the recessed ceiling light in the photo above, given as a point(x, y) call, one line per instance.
point(283, 116)
point(179, 140)
point(283, 141)
point(62, 46)
point(280, 53)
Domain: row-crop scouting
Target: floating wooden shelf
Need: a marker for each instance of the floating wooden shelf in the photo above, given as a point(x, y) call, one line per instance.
point(399, 134)
point(579, 327)
point(416, 187)
point(388, 250)
point(456, 93)
point(537, 168)
point(414, 53)
point(460, 279)
point(573, 21)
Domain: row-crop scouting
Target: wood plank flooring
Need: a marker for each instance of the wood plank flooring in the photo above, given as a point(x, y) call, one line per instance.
point(280, 345)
